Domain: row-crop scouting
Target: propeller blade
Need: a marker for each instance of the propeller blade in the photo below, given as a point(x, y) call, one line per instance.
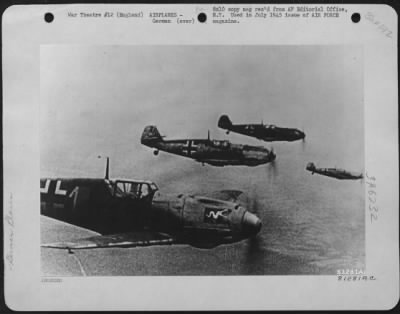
point(303, 144)
point(254, 247)
point(252, 205)
point(272, 169)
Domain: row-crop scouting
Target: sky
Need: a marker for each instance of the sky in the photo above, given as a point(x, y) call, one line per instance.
point(96, 100)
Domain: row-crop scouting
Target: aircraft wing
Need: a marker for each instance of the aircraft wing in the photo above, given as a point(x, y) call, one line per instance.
point(131, 239)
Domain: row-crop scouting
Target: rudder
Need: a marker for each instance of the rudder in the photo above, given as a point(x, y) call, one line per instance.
point(150, 134)
point(224, 122)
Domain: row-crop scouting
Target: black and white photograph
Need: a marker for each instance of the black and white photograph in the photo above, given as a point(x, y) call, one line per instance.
point(200, 157)
point(211, 160)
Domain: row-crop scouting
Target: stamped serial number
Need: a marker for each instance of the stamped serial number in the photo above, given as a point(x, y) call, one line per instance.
point(352, 271)
point(51, 280)
point(356, 278)
point(353, 274)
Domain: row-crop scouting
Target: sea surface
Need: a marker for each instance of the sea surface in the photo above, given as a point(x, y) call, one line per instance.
point(311, 225)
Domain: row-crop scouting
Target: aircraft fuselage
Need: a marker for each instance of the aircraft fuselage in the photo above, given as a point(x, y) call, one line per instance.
point(215, 152)
point(268, 133)
point(334, 173)
point(115, 206)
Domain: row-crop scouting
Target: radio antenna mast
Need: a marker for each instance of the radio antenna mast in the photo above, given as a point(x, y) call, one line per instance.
point(107, 167)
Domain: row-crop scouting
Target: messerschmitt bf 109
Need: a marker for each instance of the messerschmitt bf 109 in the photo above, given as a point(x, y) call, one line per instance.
point(334, 172)
point(131, 213)
point(213, 152)
point(261, 131)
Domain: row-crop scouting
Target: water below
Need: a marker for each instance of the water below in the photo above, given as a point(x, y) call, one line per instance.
point(311, 225)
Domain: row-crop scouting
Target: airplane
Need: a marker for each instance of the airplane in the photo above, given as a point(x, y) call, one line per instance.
point(265, 132)
point(334, 172)
point(214, 152)
point(131, 213)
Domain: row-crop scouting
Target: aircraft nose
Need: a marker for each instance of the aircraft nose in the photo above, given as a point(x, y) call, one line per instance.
point(271, 156)
point(251, 224)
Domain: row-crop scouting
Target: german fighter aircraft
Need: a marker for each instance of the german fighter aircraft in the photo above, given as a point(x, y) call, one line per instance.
point(334, 172)
point(261, 131)
point(214, 152)
point(131, 213)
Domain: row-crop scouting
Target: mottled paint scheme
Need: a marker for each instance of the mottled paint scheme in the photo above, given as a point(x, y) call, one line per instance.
point(340, 174)
point(213, 152)
point(265, 132)
point(144, 219)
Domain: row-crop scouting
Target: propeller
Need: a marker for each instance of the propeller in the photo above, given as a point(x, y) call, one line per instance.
point(254, 245)
point(303, 144)
point(303, 141)
point(272, 151)
point(272, 167)
point(362, 176)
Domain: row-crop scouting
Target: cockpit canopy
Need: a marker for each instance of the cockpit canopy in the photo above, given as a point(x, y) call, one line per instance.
point(132, 189)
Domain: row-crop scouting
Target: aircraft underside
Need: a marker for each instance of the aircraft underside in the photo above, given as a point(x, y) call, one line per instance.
point(231, 162)
point(340, 176)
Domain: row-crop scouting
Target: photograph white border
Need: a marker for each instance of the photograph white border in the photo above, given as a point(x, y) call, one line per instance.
point(24, 31)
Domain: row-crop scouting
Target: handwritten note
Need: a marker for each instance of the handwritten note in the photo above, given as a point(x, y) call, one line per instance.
point(379, 24)
point(372, 197)
point(10, 224)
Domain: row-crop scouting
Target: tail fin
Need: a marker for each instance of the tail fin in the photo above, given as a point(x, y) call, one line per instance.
point(224, 122)
point(150, 135)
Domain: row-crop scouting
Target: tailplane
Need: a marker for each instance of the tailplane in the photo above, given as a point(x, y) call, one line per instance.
point(150, 135)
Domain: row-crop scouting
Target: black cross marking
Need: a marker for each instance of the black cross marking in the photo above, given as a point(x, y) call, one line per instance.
point(189, 147)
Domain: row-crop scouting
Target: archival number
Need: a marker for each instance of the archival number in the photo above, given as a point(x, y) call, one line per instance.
point(52, 280)
point(372, 197)
point(353, 274)
point(379, 25)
